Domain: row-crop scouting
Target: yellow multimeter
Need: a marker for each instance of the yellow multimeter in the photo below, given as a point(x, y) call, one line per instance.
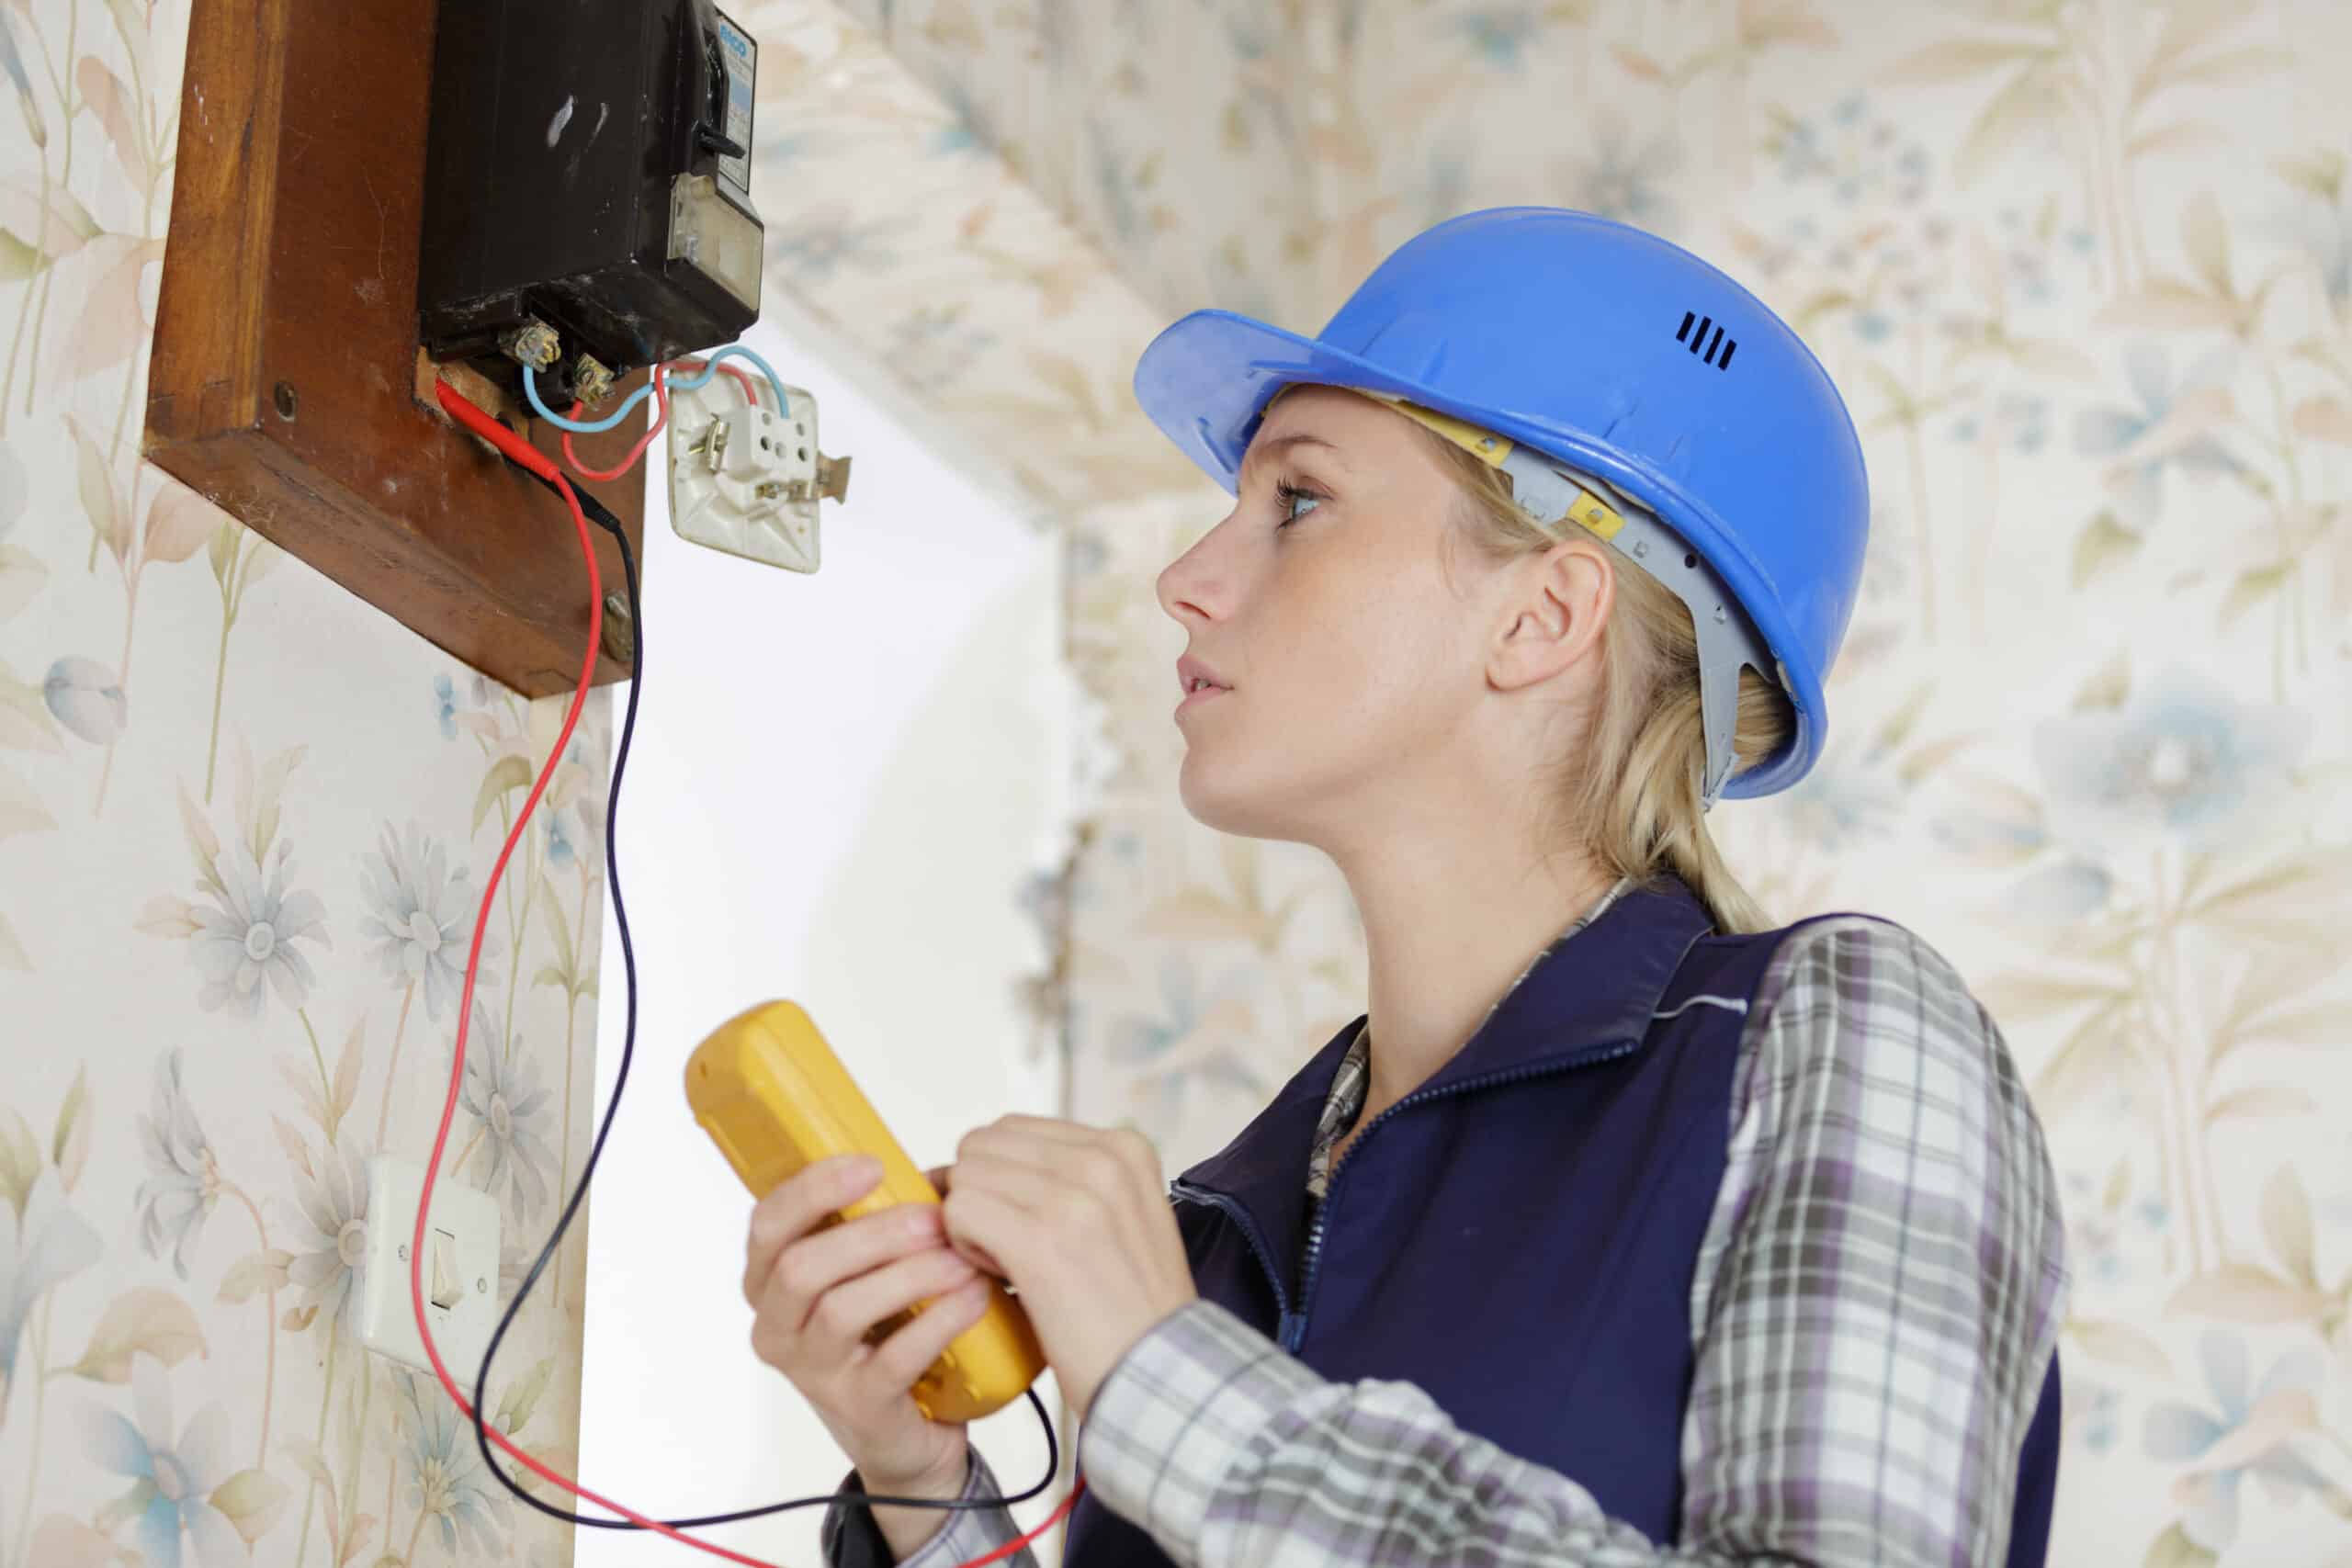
point(774, 1098)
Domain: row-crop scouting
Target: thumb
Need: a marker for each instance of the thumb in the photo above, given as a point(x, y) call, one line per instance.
point(969, 1249)
point(941, 1177)
point(976, 1254)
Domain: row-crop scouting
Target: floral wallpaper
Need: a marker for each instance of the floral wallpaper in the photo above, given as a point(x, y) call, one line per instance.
point(2083, 273)
point(2082, 270)
point(243, 819)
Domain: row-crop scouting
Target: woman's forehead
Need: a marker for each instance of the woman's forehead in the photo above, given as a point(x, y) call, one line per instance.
point(1329, 417)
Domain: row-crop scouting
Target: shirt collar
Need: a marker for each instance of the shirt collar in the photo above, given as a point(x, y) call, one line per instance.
point(1597, 989)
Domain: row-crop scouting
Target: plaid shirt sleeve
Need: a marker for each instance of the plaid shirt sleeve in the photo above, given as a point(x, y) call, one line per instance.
point(851, 1538)
point(1877, 1298)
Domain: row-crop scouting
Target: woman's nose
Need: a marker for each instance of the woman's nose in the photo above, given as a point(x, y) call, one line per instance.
point(1179, 588)
point(1165, 589)
point(1190, 582)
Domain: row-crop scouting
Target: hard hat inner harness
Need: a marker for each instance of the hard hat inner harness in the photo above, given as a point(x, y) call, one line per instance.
point(1549, 492)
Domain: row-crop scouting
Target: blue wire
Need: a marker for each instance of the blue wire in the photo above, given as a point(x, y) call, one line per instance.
point(737, 351)
point(592, 427)
point(580, 427)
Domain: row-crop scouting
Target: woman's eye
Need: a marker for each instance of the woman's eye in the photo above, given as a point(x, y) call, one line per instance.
point(1287, 498)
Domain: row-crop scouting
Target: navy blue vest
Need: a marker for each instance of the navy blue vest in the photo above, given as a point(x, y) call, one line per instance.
point(1518, 1237)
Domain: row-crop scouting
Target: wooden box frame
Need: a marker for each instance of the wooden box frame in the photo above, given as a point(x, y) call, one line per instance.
point(288, 384)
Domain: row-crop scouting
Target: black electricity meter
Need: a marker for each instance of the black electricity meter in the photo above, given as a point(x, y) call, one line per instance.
point(588, 170)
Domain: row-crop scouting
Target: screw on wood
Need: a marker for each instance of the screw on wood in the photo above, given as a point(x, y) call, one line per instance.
point(620, 637)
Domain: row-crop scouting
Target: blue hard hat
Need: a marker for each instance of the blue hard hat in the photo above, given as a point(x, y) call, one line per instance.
point(1613, 351)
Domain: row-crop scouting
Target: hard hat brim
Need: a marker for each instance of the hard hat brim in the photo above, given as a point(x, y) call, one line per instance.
point(1205, 382)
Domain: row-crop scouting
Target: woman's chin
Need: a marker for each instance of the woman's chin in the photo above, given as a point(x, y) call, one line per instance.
point(1209, 803)
point(1221, 804)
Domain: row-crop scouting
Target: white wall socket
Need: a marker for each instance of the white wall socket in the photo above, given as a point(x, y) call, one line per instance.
point(747, 481)
point(460, 1269)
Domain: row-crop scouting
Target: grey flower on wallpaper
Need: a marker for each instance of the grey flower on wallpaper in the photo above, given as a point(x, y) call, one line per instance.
point(816, 245)
point(183, 1183)
point(420, 915)
point(2031, 245)
point(86, 697)
point(1499, 33)
point(2016, 423)
point(42, 1242)
point(1445, 188)
point(932, 346)
point(1843, 805)
point(1115, 186)
point(333, 1196)
point(509, 1115)
point(1197, 1037)
point(1614, 178)
point(575, 814)
point(2177, 1433)
point(172, 1481)
point(2060, 895)
point(2115, 432)
point(970, 126)
point(2186, 760)
point(445, 699)
point(1862, 159)
point(2318, 225)
point(247, 935)
point(446, 1481)
point(2100, 1405)
point(2111, 1241)
point(562, 853)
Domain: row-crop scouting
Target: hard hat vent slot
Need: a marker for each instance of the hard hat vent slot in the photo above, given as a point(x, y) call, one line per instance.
point(1698, 339)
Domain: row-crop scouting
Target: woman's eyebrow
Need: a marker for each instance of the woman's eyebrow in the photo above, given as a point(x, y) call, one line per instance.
point(1264, 451)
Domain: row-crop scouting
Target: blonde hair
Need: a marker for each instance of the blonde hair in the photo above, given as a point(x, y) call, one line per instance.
point(1633, 787)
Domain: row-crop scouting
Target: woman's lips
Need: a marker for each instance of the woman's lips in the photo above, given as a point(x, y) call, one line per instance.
point(1202, 695)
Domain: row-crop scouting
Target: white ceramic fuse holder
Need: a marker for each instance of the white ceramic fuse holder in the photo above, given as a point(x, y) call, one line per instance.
point(747, 479)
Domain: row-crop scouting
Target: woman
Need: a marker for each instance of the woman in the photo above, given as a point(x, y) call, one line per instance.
point(1622, 1229)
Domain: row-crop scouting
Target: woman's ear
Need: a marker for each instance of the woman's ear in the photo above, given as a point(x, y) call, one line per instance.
point(1554, 608)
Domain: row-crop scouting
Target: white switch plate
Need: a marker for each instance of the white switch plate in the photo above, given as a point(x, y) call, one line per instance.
point(469, 1219)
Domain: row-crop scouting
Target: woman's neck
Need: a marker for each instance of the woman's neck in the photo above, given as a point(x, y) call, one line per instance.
point(1448, 927)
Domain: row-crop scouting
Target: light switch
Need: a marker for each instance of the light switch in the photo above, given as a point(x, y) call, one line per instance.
point(460, 1272)
point(444, 1269)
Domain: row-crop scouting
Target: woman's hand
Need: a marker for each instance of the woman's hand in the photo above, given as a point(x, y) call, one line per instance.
point(816, 1288)
point(1078, 1219)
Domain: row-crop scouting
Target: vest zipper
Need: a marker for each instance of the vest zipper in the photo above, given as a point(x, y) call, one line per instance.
point(1185, 1192)
point(1294, 1325)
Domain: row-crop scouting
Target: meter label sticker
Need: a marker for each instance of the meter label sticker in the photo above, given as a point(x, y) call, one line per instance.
point(740, 56)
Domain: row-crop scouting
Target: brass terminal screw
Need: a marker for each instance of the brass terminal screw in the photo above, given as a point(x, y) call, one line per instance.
point(533, 343)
